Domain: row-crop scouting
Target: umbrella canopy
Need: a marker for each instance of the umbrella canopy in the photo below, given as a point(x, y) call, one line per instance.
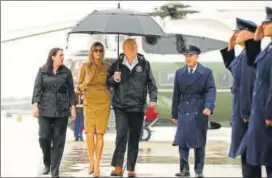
point(174, 43)
point(119, 21)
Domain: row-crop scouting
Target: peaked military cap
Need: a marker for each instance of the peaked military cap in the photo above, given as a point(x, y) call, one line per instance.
point(268, 15)
point(190, 49)
point(242, 24)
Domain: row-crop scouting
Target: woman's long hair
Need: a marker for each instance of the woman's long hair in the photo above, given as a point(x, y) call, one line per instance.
point(90, 56)
point(49, 62)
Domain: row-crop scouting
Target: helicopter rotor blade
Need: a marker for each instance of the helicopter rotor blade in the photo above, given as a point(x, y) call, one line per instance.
point(20, 34)
point(35, 34)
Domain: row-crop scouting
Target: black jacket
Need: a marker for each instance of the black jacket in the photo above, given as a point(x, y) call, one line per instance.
point(54, 93)
point(130, 94)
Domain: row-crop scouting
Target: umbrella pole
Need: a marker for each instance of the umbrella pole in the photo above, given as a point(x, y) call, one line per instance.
point(117, 62)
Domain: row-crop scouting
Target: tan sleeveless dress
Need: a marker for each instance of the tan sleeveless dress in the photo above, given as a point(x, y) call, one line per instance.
point(96, 104)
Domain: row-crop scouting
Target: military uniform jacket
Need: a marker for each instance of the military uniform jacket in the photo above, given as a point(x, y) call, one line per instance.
point(192, 94)
point(259, 136)
point(242, 89)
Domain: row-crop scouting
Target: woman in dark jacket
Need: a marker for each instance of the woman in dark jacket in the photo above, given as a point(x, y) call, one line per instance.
point(54, 101)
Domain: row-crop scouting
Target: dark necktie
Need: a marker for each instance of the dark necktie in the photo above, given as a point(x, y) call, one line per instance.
point(191, 71)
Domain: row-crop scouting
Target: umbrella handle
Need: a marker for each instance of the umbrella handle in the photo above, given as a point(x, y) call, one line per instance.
point(117, 62)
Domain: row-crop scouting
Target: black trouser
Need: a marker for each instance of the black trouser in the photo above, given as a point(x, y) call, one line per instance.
point(268, 171)
point(199, 159)
point(248, 170)
point(52, 130)
point(128, 128)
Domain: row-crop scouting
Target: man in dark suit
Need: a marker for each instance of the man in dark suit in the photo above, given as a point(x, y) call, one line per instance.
point(131, 78)
point(193, 102)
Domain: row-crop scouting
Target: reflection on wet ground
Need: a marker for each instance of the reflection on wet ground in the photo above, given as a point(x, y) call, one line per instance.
point(157, 154)
point(76, 157)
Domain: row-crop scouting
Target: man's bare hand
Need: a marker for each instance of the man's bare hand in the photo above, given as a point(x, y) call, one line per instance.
point(232, 41)
point(245, 120)
point(268, 123)
point(259, 34)
point(245, 35)
point(175, 121)
point(206, 112)
point(153, 105)
point(117, 76)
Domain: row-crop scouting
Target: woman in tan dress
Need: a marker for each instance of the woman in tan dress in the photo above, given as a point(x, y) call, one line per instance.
point(92, 82)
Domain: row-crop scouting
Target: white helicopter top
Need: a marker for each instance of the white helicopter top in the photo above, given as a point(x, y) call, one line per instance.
point(197, 28)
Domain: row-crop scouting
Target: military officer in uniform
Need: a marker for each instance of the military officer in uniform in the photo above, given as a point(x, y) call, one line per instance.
point(259, 134)
point(193, 102)
point(242, 87)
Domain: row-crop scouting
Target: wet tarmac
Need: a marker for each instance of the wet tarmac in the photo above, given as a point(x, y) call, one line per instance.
point(21, 155)
point(75, 161)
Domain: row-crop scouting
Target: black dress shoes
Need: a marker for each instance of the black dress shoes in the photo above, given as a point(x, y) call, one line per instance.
point(46, 170)
point(183, 174)
point(199, 175)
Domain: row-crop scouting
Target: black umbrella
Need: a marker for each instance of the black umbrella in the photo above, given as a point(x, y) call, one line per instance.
point(119, 21)
point(175, 43)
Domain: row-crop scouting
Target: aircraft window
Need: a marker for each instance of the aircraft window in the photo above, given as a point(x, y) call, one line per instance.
point(167, 78)
point(173, 44)
point(224, 80)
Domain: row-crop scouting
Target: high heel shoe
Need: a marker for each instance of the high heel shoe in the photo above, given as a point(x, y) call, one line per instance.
point(96, 175)
point(91, 169)
point(96, 172)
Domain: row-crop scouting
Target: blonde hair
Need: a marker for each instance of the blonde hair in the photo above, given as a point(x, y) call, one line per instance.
point(90, 55)
point(129, 41)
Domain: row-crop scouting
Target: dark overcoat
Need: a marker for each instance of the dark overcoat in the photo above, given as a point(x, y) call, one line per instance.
point(259, 141)
point(192, 94)
point(242, 89)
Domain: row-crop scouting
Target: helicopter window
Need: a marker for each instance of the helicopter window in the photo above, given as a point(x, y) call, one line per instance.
point(167, 78)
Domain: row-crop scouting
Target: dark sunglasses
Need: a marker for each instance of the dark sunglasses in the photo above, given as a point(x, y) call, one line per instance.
point(98, 50)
